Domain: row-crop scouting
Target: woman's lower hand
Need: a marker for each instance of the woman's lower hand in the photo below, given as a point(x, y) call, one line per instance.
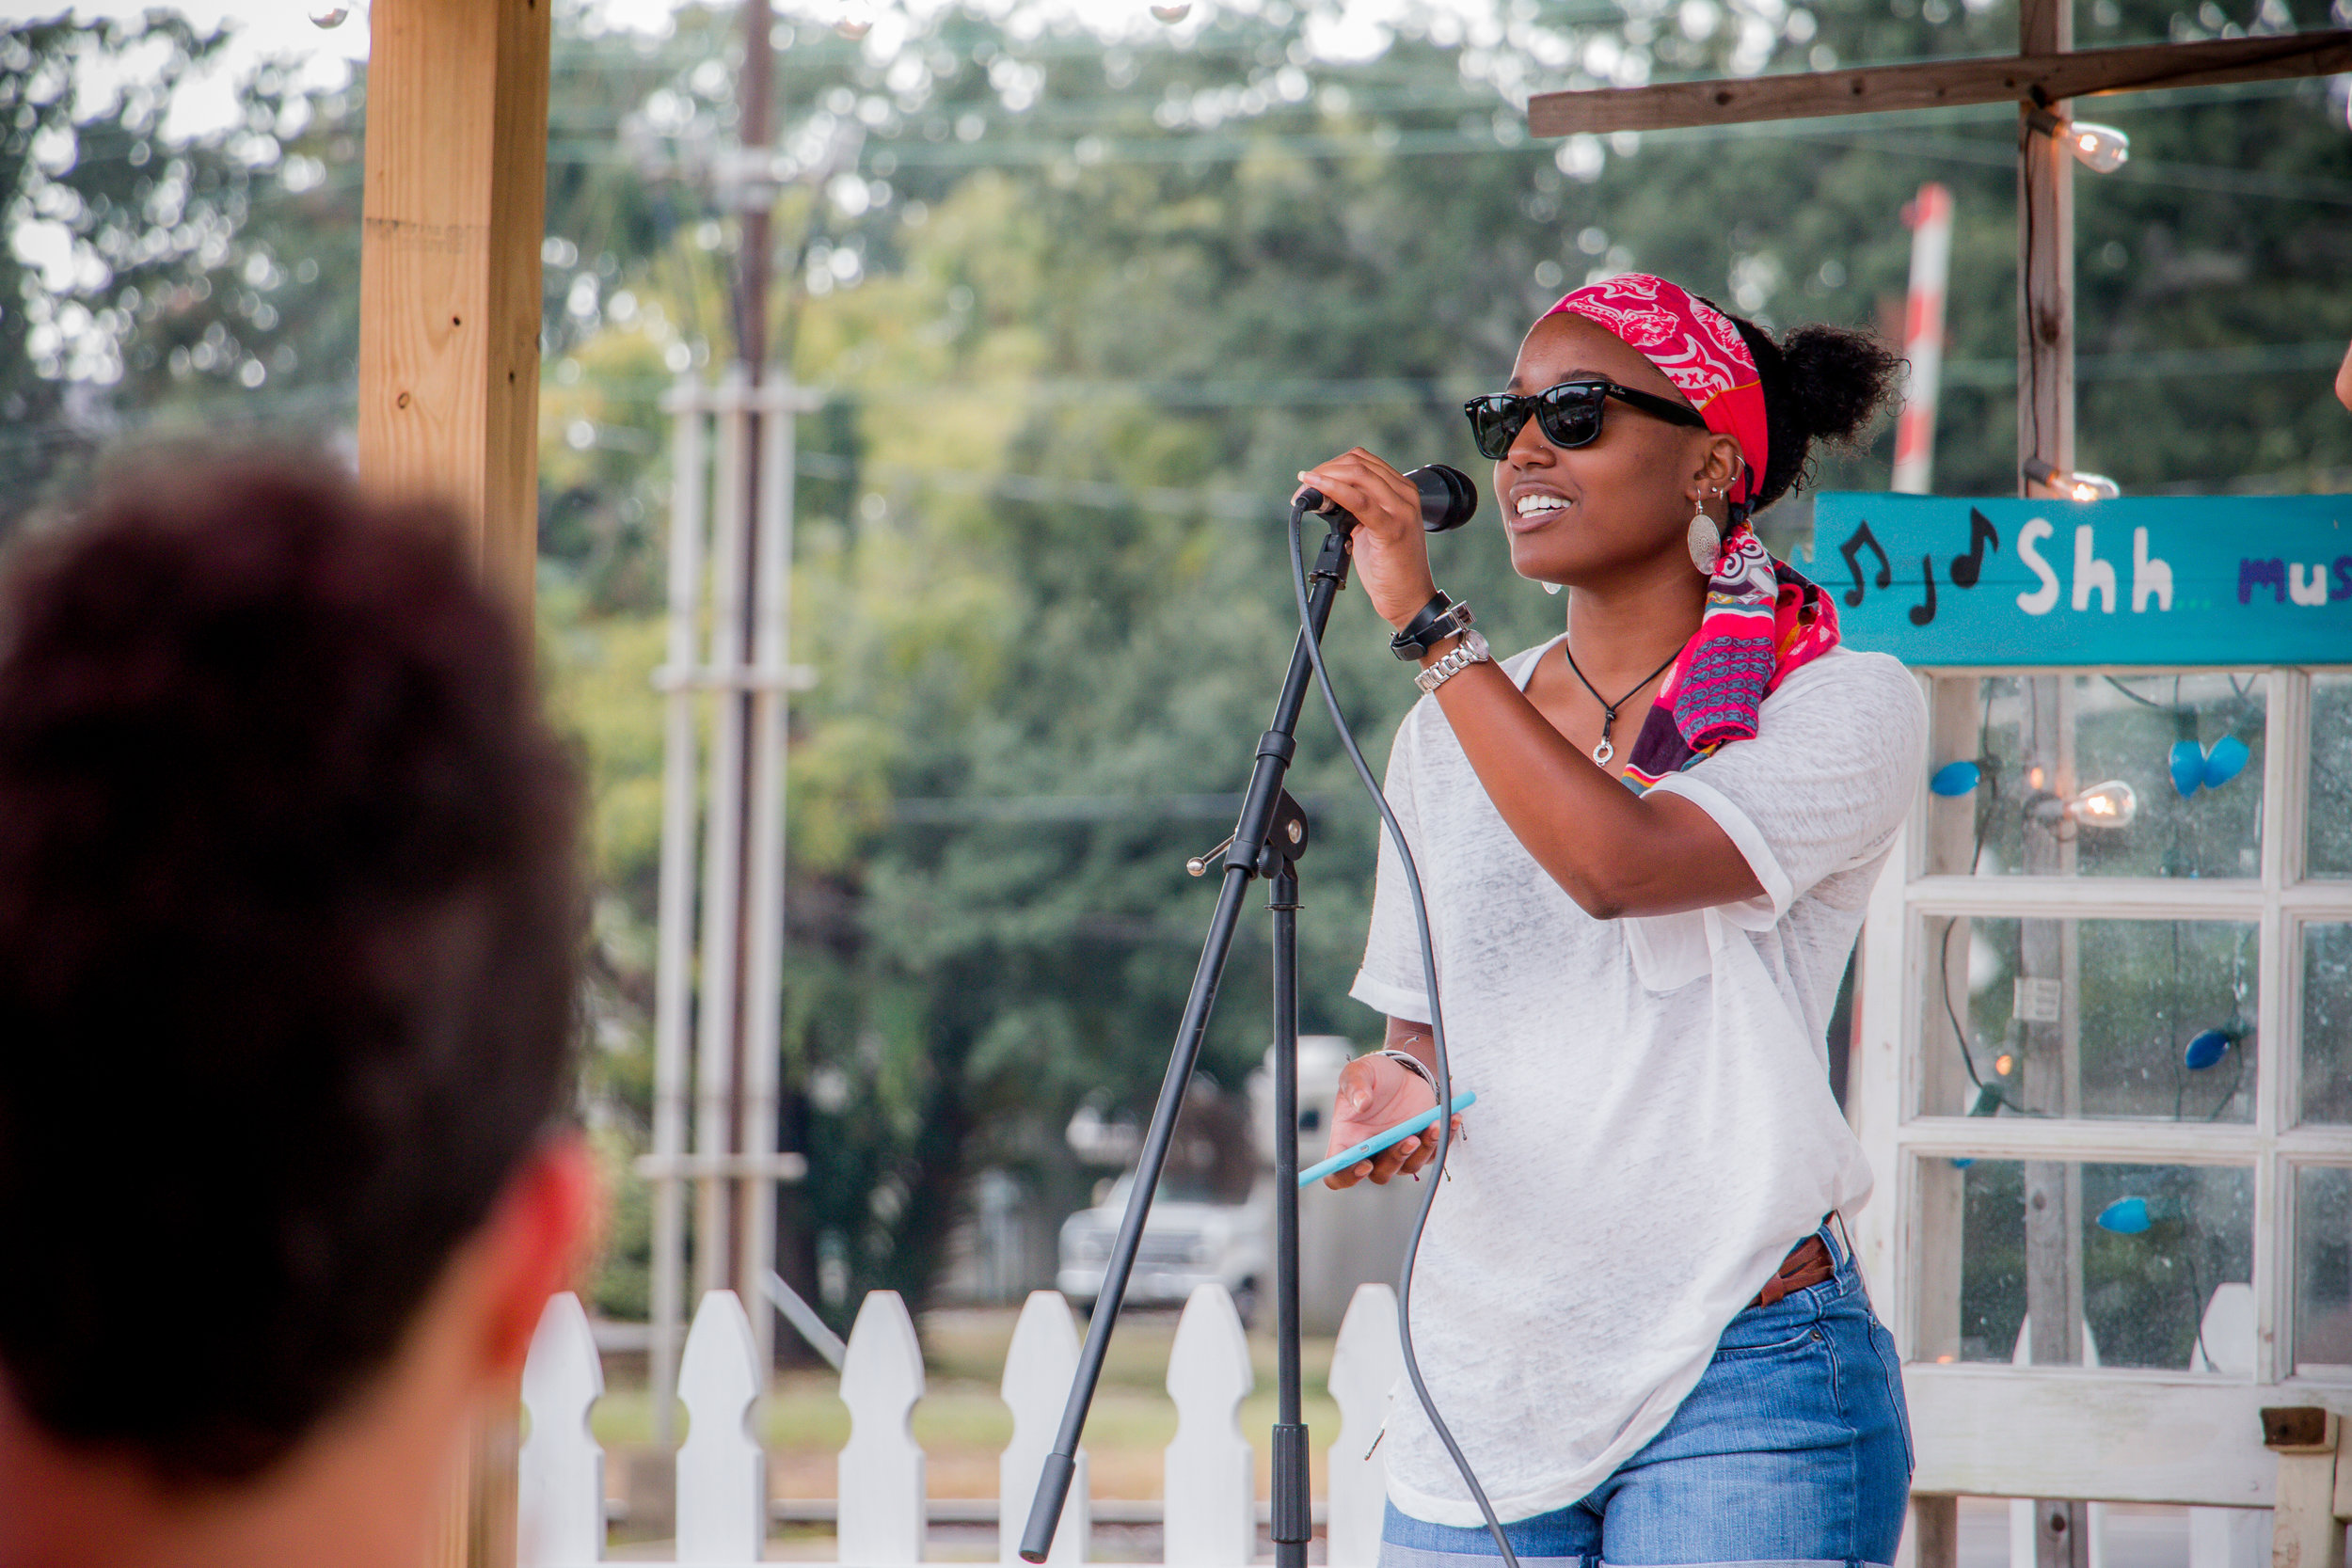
point(1376, 1093)
point(1390, 550)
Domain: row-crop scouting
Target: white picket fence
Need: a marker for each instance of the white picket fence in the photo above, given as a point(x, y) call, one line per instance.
point(1210, 1481)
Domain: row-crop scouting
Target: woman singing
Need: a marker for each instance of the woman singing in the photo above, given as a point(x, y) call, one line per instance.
point(1647, 844)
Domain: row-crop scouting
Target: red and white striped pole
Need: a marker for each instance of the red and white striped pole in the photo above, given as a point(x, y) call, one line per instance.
point(1930, 216)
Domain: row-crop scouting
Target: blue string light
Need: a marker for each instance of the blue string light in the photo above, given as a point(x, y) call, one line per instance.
point(2194, 767)
point(2206, 1049)
point(1955, 779)
point(2226, 761)
point(2187, 763)
point(2125, 1216)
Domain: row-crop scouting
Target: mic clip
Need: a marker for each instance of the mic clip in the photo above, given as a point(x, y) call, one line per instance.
point(1285, 841)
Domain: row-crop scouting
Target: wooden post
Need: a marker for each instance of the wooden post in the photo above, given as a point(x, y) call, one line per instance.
point(2307, 1525)
point(2045, 260)
point(1932, 1537)
point(454, 212)
point(1945, 1089)
point(1931, 1540)
point(2045, 430)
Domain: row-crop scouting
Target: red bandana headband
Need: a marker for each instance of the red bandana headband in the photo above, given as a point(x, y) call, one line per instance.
point(1697, 347)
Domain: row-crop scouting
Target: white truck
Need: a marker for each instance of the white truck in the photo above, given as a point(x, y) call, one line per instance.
point(1213, 1219)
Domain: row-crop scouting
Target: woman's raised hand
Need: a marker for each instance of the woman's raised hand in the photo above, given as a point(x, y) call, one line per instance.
point(1376, 1093)
point(1390, 550)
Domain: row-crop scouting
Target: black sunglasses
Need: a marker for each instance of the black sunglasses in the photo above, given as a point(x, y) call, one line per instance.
point(1568, 414)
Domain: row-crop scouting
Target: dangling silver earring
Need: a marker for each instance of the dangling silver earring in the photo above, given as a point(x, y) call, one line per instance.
point(1706, 543)
point(1552, 587)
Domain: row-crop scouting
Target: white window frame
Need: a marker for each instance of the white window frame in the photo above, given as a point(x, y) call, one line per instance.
point(2118, 1435)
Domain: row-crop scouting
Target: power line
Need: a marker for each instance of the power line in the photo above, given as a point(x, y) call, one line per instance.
point(2260, 359)
point(2319, 354)
point(1213, 147)
point(1043, 489)
point(341, 398)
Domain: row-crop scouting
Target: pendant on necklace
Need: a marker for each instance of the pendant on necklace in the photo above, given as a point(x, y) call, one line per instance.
point(1602, 753)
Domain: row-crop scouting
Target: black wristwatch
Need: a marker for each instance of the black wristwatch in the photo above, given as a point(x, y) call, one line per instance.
point(1438, 620)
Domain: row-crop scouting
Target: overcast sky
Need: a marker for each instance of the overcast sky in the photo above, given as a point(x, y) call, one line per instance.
point(275, 26)
point(283, 29)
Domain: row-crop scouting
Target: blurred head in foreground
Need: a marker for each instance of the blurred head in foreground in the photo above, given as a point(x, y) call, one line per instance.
point(288, 929)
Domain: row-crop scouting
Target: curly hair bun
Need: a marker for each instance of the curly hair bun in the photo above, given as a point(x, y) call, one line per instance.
point(1821, 384)
point(1838, 380)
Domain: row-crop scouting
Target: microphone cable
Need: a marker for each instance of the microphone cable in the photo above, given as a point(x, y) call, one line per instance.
point(1436, 1030)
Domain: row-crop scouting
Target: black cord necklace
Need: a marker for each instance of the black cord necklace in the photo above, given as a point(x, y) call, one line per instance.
point(1602, 753)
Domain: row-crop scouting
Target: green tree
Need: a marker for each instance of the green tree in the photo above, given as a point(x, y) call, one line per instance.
point(1082, 305)
point(154, 283)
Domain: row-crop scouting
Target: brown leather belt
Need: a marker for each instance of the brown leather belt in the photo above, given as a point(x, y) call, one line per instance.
point(1808, 1263)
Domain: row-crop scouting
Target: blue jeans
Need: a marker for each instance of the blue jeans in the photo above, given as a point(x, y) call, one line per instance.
point(1793, 1450)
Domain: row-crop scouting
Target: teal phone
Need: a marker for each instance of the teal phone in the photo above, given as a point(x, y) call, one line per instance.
point(1379, 1141)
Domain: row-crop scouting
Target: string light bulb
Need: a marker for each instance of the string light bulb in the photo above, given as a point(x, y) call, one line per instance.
point(1173, 13)
point(330, 16)
point(2072, 486)
point(2101, 149)
point(854, 24)
point(2109, 803)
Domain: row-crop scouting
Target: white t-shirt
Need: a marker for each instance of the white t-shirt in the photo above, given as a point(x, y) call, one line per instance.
point(1654, 1127)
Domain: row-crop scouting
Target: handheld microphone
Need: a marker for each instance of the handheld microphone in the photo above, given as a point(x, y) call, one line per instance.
point(1448, 499)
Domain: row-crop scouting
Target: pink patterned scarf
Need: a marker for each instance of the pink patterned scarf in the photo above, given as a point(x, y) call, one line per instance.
point(1762, 619)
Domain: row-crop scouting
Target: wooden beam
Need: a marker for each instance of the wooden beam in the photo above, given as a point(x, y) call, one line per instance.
point(2127, 1436)
point(1940, 84)
point(455, 209)
point(454, 213)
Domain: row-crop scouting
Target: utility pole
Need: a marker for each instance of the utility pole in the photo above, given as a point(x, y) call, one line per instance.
point(760, 715)
point(756, 103)
point(763, 1239)
point(718, 1008)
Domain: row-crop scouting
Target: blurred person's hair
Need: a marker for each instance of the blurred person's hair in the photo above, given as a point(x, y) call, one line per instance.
point(288, 930)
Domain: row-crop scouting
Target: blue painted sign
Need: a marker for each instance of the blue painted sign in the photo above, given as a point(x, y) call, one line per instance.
point(2144, 580)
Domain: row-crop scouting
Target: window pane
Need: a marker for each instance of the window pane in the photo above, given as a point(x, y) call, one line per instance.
point(2146, 1251)
point(2327, 1087)
point(2190, 747)
point(2129, 1017)
point(2331, 776)
point(2323, 1267)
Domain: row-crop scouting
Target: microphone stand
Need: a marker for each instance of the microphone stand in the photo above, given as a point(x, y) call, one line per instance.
point(1268, 842)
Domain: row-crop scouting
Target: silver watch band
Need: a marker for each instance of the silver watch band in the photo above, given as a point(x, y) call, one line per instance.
point(1470, 650)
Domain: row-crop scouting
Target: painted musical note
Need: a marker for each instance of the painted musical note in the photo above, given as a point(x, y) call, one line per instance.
point(1924, 612)
point(1860, 540)
point(1967, 568)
